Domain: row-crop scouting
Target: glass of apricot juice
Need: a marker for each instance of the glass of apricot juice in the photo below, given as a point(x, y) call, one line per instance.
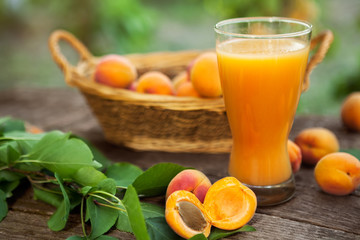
point(262, 63)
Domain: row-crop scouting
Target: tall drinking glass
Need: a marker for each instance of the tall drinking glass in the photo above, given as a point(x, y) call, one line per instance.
point(262, 63)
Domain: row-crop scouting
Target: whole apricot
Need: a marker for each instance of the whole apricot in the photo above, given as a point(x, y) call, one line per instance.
point(190, 180)
point(338, 173)
point(179, 79)
point(204, 74)
point(294, 155)
point(186, 89)
point(315, 143)
point(33, 129)
point(155, 82)
point(350, 112)
point(115, 71)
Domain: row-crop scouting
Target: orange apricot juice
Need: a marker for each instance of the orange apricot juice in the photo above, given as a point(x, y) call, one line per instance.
point(261, 81)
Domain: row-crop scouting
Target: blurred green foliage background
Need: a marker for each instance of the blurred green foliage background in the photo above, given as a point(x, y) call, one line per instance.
point(139, 26)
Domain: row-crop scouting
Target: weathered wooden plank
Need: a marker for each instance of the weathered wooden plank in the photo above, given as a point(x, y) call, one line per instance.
point(273, 227)
point(310, 205)
point(21, 225)
point(313, 206)
point(29, 226)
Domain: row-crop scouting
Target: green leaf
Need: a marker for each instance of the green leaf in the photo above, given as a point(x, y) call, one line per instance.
point(158, 229)
point(87, 189)
point(198, 237)
point(48, 197)
point(123, 223)
point(353, 151)
point(8, 124)
point(3, 205)
point(25, 141)
point(58, 220)
point(6, 175)
point(154, 181)
point(151, 210)
point(22, 136)
point(4, 119)
point(219, 233)
point(123, 173)
point(88, 176)
point(98, 156)
point(8, 187)
point(105, 237)
point(108, 185)
point(136, 217)
point(76, 238)
point(56, 152)
point(102, 218)
point(9, 153)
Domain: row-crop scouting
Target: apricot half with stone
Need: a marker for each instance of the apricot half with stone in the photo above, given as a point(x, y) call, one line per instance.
point(185, 214)
point(228, 205)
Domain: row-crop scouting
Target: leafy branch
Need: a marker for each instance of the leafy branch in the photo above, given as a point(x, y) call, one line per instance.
point(64, 171)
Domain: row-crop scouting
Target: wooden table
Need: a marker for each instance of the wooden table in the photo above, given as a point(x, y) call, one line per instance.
point(311, 214)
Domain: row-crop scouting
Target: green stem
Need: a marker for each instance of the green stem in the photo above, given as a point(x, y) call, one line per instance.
point(106, 200)
point(28, 161)
point(44, 162)
point(82, 217)
point(46, 189)
point(4, 167)
point(27, 172)
point(109, 195)
point(40, 181)
point(25, 156)
point(109, 206)
point(120, 187)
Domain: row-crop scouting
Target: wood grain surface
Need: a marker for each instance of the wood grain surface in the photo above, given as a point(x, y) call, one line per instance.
point(311, 214)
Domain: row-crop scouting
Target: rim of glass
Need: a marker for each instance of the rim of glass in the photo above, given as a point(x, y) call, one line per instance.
point(307, 25)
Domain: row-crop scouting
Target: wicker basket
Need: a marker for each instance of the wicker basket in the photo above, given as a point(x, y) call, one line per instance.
point(156, 122)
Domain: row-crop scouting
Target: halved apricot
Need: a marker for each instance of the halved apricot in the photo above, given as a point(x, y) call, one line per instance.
point(185, 214)
point(229, 204)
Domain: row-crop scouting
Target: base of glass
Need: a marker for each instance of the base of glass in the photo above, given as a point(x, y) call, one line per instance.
point(274, 194)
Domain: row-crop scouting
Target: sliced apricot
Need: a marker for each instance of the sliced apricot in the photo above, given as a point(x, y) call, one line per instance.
point(229, 204)
point(185, 214)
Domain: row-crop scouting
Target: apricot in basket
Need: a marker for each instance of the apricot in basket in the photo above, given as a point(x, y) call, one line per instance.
point(115, 71)
point(187, 89)
point(228, 205)
point(204, 75)
point(179, 79)
point(155, 82)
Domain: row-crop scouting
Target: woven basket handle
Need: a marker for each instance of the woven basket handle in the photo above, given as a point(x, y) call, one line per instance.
point(59, 58)
point(324, 41)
